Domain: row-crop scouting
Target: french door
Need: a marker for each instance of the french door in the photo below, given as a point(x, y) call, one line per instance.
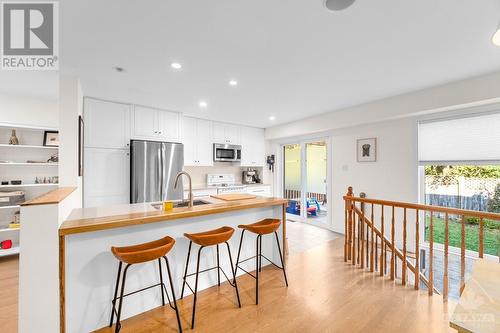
point(305, 181)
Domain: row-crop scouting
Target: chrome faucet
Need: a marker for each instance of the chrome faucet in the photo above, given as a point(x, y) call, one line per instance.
point(190, 198)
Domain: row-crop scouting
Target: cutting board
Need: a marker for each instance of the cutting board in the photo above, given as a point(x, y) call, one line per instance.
point(234, 197)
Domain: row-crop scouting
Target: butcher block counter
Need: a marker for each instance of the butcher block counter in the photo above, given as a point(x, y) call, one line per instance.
point(88, 269)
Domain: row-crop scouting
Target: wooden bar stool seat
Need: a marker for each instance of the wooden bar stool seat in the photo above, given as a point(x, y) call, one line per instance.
point(211, 237)
point(261, 228)
point(203, 239)
point(145, 252)
point(138, 254)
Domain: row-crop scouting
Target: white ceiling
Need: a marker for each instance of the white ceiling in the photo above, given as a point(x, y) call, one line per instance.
point(292, 58)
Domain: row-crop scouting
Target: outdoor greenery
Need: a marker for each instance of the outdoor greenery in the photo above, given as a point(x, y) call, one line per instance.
point(491, 235)
point(470, 171)
point(494, 202)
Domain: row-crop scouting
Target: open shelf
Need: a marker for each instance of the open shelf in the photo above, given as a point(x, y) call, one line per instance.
point(27, 146)
point(10, 207)
point(26, 163)
point(11, 251)
point(8, 230)
point(28, 185)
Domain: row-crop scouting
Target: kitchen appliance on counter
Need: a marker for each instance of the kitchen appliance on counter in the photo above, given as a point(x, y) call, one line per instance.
point(225, 183)
point(153, 168)
point(227, 153)
point(250, 176)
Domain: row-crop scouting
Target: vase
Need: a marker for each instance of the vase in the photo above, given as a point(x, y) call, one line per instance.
point(13, 138)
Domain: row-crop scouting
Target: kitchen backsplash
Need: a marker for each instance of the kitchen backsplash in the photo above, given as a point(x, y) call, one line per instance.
point(199, 174)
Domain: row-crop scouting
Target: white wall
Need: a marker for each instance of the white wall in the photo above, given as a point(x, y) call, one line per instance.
point(70, 108)
point(26, 110)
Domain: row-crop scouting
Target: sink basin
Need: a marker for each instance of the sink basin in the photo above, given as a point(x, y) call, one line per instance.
point(178, 204)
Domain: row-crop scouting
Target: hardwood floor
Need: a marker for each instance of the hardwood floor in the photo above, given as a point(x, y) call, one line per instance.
point(9, 282)
point(325, 295)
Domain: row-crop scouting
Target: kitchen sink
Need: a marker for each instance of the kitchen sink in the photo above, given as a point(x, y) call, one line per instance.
point(178, 204)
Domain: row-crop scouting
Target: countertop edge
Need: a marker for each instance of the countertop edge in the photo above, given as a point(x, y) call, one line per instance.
point(49, 198)
point(121, 221)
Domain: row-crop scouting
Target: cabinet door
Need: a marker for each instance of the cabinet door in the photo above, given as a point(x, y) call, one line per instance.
point(106, 180)
point(168, 126)
point(189, 140)
point(263, 191)
point(253, 147)
point(204, 145)
point(233, 134)
point(219, 133)
point(107, 124)
point(145, 123)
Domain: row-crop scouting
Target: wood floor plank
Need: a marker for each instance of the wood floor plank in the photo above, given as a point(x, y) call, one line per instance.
point(325, 295)
point(9, 284)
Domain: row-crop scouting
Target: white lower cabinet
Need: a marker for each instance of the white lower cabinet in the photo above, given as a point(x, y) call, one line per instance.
point(260, 190)
point(201, 193)
point(107, 177)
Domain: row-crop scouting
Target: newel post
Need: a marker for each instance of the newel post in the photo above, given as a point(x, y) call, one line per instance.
point(348, 225)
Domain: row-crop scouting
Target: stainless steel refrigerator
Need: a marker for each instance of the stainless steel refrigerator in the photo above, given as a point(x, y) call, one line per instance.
point(153, 167)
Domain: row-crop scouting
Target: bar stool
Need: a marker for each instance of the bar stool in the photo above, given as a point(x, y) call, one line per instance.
point(137, 254)
point(204, 239)
point(264, 227)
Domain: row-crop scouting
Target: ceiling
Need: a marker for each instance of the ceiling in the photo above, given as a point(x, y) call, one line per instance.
point(292, 59)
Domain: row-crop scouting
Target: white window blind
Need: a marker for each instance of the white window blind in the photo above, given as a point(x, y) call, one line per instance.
point(454, 140)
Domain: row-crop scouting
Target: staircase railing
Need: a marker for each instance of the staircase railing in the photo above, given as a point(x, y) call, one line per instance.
point(366, 223)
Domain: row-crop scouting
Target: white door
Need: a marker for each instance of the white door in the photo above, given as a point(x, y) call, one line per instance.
point(168, 126)
point(106, 180)
point(204, 145)
point(145, 123)
point(107, 124)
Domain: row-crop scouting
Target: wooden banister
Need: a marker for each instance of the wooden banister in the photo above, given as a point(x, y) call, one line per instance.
point(361, 244)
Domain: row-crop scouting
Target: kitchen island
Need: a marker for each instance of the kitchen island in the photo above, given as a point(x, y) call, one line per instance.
point(88, 269)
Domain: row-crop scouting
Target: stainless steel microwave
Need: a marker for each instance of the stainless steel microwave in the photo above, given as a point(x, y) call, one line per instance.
point(227, 153)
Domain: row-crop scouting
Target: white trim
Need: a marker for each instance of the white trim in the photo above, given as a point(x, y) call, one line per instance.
point(30, 127)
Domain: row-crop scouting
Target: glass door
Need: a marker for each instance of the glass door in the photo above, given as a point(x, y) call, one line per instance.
point(305, 179)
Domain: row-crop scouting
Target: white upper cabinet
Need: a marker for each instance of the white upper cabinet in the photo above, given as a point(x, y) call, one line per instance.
point(107, 124)
point(226, 133)
point(153, 124)
point(253, 150)
point(197, 139)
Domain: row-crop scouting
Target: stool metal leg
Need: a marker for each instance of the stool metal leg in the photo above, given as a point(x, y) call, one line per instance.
point(118, 325)
point(116, 293)
point(281, 257)
point(239, 252)
point(196, 286)
point(257, 258)
point(218, 267)
point(161, 283)
point(186, 271)
point(173, 294)
point(260, 255)
point(234, 274)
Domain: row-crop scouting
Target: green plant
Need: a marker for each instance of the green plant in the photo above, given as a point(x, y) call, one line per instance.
point(494, 202)
point(472, 220)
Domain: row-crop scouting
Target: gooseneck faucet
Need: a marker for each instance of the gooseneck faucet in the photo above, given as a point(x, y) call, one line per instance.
point(190, 204)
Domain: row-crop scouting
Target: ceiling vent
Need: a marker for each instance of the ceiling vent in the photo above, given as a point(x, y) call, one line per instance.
point(336, 5)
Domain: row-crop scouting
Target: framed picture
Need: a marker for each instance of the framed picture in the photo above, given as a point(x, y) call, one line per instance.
point(80, 145)
point(51, 139)
point(367, 150)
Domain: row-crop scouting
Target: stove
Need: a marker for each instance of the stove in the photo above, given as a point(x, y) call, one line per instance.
point(225, 183)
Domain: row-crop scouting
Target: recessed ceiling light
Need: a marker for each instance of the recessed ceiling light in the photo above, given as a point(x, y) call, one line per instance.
point(496, 37)
point(272, 118)
point(119, 69)
point(233, 83)
point(203, 104)
point(176, 65)
point(336, 5)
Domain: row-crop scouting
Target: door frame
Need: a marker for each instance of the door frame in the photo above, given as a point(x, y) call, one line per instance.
point(303, 174)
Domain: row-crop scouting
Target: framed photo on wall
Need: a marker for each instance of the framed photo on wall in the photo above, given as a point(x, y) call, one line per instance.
point(51, 139)
point(367, 150)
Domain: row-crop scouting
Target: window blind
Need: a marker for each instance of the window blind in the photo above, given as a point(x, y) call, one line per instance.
point(474, 138)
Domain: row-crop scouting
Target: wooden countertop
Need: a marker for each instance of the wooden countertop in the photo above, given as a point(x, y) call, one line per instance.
point(478, 309)
point(82, 221)
point(52, 197)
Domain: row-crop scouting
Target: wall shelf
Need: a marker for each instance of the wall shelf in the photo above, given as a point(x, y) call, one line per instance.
point(8, 230)
point(8, 252)
point(26, 163)
point(27, 147)
point(28, 185)
point(10, 207)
